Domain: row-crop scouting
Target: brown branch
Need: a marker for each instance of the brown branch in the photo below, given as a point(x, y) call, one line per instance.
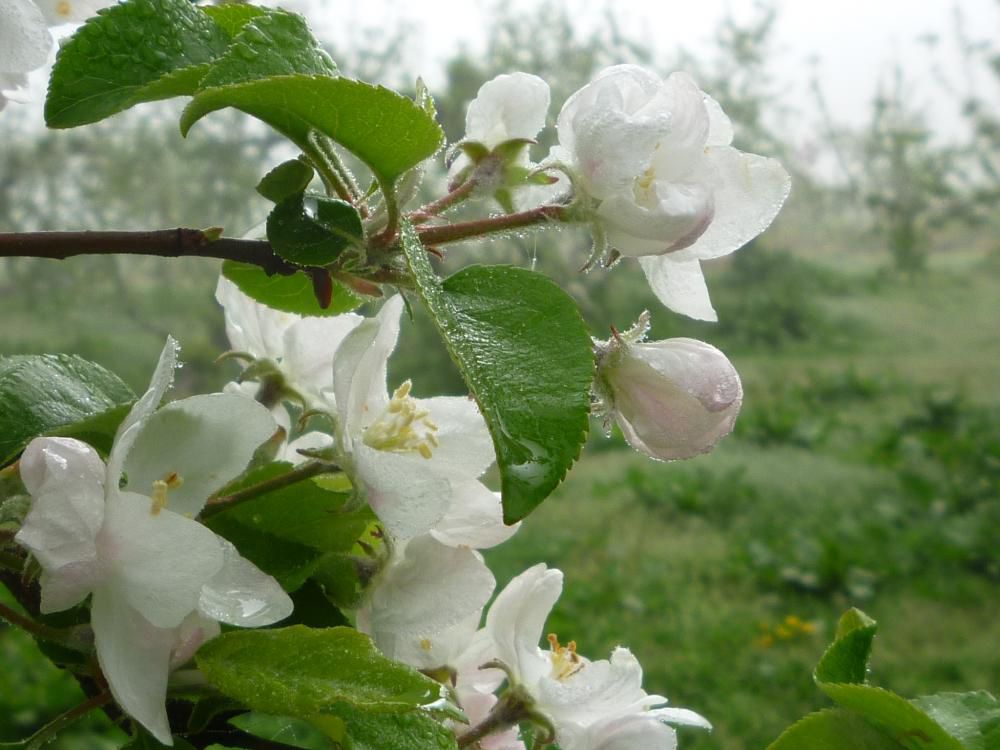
point(165, 243)
point(439, 235)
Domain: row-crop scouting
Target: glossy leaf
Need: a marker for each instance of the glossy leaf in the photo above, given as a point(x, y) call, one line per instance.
point(56, 394)
point(370, 730)
point(292, 294)
point(834, 729)
point(846, 660)
point(285, 180)
point(300, 671)
point(311, 230)
point(284, 729)
point(972, 718)
point(525, 354)
point(132, 52)
point(232, 17)
point(387, 131)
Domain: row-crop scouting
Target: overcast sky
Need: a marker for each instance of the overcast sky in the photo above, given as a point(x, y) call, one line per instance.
point(853, 42)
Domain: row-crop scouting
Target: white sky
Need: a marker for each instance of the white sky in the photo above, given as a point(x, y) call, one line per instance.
point(853, 41)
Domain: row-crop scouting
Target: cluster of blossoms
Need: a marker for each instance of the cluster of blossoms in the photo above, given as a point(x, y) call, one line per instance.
point(25, 40)
point(649, 165)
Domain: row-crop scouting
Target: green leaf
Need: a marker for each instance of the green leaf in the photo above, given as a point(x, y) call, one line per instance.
point(833, 729)
point(387, 131)
point(145, 741)
point(369, 730)
point(846, 660)
point(132, 52)
point(232, 17)
point(284, 729)
point(285, 180)
point(311, 230)
point(525, 354)
point(971, 718)
point(56, 394)
point(904, 722)
point(292, 294)
point(269, 44)
point(299, 671)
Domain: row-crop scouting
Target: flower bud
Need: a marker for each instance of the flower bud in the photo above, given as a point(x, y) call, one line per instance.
point(672, 399)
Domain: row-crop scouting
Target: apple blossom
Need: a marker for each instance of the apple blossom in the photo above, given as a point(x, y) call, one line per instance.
point(24, 43)
point(582, 699)
point(124, 532)
point(655, 158)
point(672, 399)
point(416, 461)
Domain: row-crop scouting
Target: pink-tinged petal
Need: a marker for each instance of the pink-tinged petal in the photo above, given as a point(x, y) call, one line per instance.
point(359, 368)
point(243, 595)
point(465, 448)
point(189, 636)
point(161, 560)
point(680, 285)
point(670, 217)
point(202, 441)
point(24, 39)
point(474, 518)
point(135, 658)
point(509, 106)
point(516, 620)
point(65, 478)
point(674, 399)
point(426, 604)
point(131, 426)
point(477, 707)
point(402, 488)
point(749, 191)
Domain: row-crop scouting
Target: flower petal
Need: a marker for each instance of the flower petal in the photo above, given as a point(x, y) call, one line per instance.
point(241, 594)
point(517, 618)
point(465, 448)
point(24, 39)
point(161, 560)
point(128, 430)
point(749, 192)
point(205, 441)
point(250, 326)
point(474, 518)
point(402, 489)
point(66, 480)
point(309, 347)
point(509, 106)
point(70, 11)
point(135, 658)
point(679, 284)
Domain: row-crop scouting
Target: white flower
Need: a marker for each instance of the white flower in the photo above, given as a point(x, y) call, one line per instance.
point(24, 43)
point(509, 107)
point(302, 348)
point(655, 156)
point(416, 460)
point(124, 533)
point(70, 11)
point(580, 697)
point(672, 399)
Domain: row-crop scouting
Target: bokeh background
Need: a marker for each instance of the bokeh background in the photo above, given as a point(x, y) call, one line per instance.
point(865, 467)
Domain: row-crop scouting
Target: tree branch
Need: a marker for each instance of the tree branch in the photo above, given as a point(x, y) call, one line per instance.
point(165, 243)
point(439, 235)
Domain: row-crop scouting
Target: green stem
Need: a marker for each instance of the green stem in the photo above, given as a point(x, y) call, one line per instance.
point(47, 733)
point(37, 629)
point(334, 174)
point(446, 201)
point(440, 235)
point(300, 473)
point(514, 706)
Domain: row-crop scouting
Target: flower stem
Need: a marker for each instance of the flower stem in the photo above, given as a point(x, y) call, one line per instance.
point(440, 235)
point(300, 473)
point(514, 706)
point(446, 201)
point(38, 629)
point(47, 733)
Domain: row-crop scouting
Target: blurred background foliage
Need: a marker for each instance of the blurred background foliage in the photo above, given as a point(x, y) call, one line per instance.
point(865, 466)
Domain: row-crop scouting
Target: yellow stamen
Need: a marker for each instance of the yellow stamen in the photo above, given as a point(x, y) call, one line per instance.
point(403, 427)
point(161, 487)
point(565, 661)
point(425, 644)
point(63, 8)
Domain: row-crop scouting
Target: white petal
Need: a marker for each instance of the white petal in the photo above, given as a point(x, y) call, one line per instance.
point(69, 585)
point(749, 192)
point(252, 327)
point(135, 658)
point(474, 518)
point(683, 716)
point(509, 106)
point(720, 130)
point(206, 441)
point(65, 478)
point(241, 594)
point(517, 618)
point(70, 11)
point(160, 561)
point(426, 605)
point(130, 427)
point(24, 38)
point(309, 348)
point(403, 490)
point(465, 447)
point(679, 215)
point(189, 635)
point(359, 368)
point(633, 732)
point(313, 441)
point(679, 284)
